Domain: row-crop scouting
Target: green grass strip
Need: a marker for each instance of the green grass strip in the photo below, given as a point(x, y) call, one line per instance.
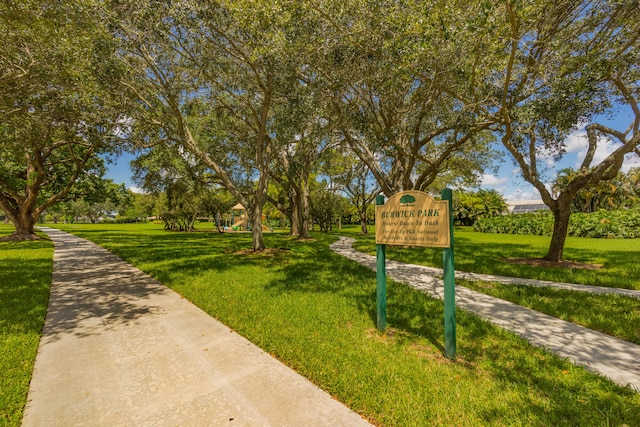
point(487, 253)
point(315, 311)
point(25, 278)
point(614, 315)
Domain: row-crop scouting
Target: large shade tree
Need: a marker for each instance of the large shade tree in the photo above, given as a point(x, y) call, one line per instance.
point(305, 136)
point(392, 76)
point(565, 62)
point(207, 77)
point(178, 183)
point(352, 177)
point(56, 114)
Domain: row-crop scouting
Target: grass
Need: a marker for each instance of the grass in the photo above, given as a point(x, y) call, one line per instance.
point(486, 253)
point(315, 311)
point(615, 315)
point(618, 316)
point(25, 277)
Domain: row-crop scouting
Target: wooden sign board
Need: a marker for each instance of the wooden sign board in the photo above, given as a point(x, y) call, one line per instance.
point(413, 218)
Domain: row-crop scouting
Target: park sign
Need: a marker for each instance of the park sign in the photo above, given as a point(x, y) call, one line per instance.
point(413, 218)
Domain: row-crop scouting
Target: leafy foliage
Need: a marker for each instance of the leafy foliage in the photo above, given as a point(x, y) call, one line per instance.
point(621, 224)
point(538, 223)
point(623, 191)
point(385, 71)
point(326, 207)
point(57, 71)
point(468, 207)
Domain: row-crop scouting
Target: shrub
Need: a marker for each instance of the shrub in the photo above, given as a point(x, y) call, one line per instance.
point(619, 224)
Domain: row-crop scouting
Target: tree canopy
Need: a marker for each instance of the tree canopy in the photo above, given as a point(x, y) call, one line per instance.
point(258, 95)
point(567, 63)
point(56, 107)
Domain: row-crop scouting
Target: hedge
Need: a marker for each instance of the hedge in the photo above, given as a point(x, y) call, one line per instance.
point(619, 224)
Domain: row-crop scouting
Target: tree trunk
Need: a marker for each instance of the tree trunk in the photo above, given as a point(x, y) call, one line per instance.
point(255, 214)
point(363, 221)
point(25, 228)
point(217, 221)
point(303, 211)
point(561, 215)
point(294, 216)
point(24, 220)
point(256, 228)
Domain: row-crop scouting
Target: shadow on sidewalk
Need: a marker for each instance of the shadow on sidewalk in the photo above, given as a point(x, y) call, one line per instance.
point(94, 290)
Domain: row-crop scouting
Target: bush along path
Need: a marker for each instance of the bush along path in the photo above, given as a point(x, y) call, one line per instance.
point(611, 357)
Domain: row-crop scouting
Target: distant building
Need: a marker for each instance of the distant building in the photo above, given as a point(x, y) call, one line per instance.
point(526, 206)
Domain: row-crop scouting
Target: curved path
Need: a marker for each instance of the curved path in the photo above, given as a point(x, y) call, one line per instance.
point(611, 357)
point(119, 348)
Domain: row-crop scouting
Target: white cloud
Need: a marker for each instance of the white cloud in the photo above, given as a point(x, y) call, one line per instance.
point(525, 191)
point(577, 143)
point(137, 190)
point(493, 180)
point(522, 195)
point(632, 161)
point(603, 150)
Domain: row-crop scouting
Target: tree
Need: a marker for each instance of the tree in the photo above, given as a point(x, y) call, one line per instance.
point(56, 108)
point(326, 206)
point(470, 206)
point(206, 77)
point(567, 62)
point(217, 203)
point(390, 77)
point(183, 182)
point(305, 136)
point(140, 208)
point(354, 178)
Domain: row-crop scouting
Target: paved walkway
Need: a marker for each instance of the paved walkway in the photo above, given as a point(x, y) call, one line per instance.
point(611, 357)
point(119, 348)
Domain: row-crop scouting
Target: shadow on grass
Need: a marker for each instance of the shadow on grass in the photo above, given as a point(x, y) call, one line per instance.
point(24, 291)
point(167, 253)
point(545, 391)
point(486, 253)
point(95, 290)
point(407, 310)
point(551, 389)
point(568, 391)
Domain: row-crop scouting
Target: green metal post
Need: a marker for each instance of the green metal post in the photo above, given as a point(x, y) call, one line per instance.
point(449, 286)
point(381, 275)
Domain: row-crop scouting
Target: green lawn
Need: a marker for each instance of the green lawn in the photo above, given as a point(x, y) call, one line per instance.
point(486, 253)
point(614, 315)
point(25, 277)
point(618, 316)
point(315, 311)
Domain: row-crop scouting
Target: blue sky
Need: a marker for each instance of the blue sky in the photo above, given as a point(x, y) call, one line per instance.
point(507, 181)
point(120, 172)
point(513, 187)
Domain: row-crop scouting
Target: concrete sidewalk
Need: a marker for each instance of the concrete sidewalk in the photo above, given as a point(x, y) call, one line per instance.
point(611, 357)
point(119, 348)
